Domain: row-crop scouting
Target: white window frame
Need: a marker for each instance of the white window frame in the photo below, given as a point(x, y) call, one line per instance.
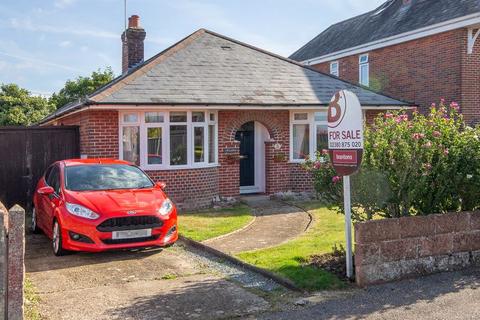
point(364, 65)
point(335, 70)
point(312, 131)
point(165, 125)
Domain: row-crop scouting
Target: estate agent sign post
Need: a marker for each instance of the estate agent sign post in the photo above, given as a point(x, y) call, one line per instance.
point(345, 144)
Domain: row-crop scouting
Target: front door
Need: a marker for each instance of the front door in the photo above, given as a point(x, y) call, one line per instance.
point(246, 136)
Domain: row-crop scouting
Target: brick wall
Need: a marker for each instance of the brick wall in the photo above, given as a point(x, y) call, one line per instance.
point(420, 71)
point(470, 100)
point(98, 132)
point(393, 249)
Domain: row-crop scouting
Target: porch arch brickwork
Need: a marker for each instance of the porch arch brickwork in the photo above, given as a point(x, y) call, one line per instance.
point(276, 160)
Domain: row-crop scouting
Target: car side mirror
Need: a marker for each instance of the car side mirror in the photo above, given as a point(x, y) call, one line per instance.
point(162, 185)
point(46, 191)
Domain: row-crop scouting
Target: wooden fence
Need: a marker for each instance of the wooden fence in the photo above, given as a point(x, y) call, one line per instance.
point(12, 264)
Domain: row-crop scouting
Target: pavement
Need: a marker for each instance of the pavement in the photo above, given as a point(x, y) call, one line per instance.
point(136, 284)
point(444, 296)
point(275, 222)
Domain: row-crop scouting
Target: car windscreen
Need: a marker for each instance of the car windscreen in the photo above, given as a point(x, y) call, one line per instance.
point(105, 177)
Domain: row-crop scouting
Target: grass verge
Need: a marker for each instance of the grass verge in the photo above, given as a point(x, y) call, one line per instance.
point(31, 301)
point(200, 226)
point(288, 259)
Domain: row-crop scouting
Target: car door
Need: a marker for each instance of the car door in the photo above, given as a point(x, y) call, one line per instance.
point(42, 200)
point(50, 202)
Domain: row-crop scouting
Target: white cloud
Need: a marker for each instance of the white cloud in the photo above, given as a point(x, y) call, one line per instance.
point(28, 25)
point(63, 3)
point(65, 44)
point(30, 62)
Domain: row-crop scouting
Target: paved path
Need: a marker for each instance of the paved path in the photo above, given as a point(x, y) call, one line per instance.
point(444, 296)
point(141, 284)
point(275, 222)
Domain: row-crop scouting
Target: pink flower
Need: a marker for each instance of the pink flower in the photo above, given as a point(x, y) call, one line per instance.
point(427, 166)
point(398, 119)
point(442, 100)
point(324, 151)
point(446, 152)
point(418, 136)
point(317, 165)
point(436, 134)
point(388, 115)
point(454, 106)
point(428, 145)
point(434, 105)
point(336, 179)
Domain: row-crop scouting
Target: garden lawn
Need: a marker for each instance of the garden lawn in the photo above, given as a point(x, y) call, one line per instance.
point(205, 225)
point(287, 259)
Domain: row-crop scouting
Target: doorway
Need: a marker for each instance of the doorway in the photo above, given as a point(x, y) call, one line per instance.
point(252, 136)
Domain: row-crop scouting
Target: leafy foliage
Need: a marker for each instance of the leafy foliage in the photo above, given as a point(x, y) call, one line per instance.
point(81, 87)
point(415, 165)
point(19, 107)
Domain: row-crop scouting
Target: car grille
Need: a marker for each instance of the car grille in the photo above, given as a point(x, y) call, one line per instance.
point(129, 223)
point(134, 240)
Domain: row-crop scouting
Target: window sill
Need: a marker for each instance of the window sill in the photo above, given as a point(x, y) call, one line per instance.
point(186, 167)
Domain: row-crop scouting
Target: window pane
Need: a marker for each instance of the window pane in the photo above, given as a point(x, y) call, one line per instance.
point(301, 141)
point(178, 145)
point(178, 117)
point(211, 144)
point(199, 140)
point(131, 144)
point(301, 116)
point(322, 137)
point(364, 58)
point(198, 116)
point(212, 116)
point(364, 74)
point(130, 117)
point(153, 117)
point(154, 145)
point(321, 116)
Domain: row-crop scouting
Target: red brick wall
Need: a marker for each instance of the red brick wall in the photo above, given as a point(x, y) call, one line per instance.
point(393, 249)
point(420, 71)
point(190, 188)
point(98, 132)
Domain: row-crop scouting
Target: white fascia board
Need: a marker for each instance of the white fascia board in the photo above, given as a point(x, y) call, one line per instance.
point(219, 107)
point(462, 22)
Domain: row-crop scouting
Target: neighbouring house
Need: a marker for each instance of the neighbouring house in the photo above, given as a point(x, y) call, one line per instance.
point(211, 116)
point(417, 50)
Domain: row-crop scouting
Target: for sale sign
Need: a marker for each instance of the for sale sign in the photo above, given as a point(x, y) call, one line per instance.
point(345, 132)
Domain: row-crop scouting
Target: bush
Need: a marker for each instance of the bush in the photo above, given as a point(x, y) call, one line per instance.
point(413, 165)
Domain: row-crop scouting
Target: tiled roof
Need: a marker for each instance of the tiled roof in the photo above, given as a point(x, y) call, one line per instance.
point(209, 69)
point(390, 19)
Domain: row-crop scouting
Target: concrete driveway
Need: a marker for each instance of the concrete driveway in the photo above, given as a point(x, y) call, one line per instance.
point(142, 284)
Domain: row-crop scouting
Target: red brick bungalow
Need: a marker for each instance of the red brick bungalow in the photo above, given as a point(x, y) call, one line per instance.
point(211, 116)
point(416, 50)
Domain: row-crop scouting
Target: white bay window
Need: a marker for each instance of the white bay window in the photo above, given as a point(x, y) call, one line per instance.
point(308, 134)
point(158, 140)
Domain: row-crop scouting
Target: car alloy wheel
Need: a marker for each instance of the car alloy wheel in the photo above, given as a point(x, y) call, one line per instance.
point(57, 239)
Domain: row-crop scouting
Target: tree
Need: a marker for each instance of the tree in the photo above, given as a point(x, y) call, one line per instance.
point(19, 107)
point(81, 87)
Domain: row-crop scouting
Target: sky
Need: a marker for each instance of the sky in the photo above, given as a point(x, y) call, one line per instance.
point(46, 42)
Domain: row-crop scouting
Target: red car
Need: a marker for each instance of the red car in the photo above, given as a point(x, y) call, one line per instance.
point(96, 205)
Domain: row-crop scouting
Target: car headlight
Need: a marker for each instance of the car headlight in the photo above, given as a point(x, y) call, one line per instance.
point(81, 211)
point(166, 207)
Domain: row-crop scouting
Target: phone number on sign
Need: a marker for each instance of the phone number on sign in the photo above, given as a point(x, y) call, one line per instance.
point(345, 144)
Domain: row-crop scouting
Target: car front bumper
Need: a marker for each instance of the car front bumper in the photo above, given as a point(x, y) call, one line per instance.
point(161, 236)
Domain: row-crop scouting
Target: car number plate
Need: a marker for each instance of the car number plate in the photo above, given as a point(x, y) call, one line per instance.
point(130, 234)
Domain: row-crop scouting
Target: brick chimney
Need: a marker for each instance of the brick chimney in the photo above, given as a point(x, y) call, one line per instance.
point(132, 44)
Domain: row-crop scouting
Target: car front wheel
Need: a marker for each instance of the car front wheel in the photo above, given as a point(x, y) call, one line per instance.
point(34, 225)
point(57, 240)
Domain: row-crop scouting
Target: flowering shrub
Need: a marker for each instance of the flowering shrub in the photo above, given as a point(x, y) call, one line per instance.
point(414, 165)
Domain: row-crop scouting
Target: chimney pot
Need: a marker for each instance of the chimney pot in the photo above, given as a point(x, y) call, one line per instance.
point(134, 21)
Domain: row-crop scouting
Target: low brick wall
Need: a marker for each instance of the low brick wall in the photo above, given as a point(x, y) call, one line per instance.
point(394, 249)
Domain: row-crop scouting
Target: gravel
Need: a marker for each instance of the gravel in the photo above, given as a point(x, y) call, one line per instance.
point(246, 278)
